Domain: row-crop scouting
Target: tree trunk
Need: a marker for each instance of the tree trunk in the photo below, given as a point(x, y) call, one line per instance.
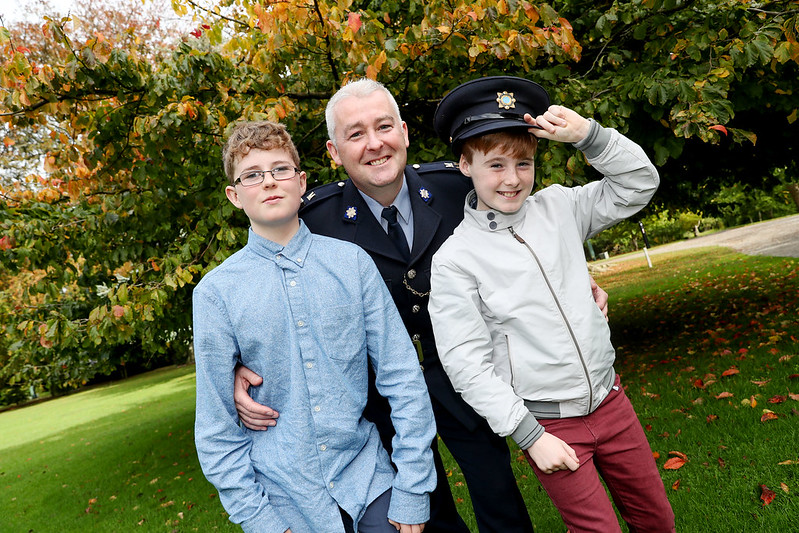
point(794, 190)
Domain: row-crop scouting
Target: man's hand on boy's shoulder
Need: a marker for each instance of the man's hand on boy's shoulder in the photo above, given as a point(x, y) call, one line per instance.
point(559, 123)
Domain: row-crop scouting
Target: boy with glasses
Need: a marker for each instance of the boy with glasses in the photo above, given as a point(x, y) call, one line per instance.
point(311, 313)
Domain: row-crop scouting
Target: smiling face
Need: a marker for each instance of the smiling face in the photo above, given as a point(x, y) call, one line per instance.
point(371, 144)
point(271, 205)
point(502, 181)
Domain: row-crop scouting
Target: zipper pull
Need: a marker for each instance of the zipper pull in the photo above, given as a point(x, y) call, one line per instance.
point(516, 235)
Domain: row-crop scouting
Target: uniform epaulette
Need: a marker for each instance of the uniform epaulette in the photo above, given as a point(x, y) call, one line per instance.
point(436, 166)
point(322, 192)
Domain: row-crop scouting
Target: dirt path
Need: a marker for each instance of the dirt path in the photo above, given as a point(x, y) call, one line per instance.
point(778, 237)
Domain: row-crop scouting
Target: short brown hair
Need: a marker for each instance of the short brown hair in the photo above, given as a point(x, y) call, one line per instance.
point(515, 143)
point(263, 135)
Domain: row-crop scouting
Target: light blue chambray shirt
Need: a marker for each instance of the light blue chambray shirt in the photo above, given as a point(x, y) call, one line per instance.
point(308, 317)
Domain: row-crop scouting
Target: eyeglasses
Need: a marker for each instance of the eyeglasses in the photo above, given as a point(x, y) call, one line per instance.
point(251, 178)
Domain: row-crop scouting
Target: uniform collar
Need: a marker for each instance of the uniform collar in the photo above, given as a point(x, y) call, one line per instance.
point(402, 202)
point(294, 252)
point(492, 220)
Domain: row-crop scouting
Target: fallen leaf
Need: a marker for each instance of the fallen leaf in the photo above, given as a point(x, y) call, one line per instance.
point(760, 382)
point(766, 494)
point(788, 462)
point(730, 372)
point(674, 463)
point(675, 485)
point(723, 395)
point(768, 415)
point(793, 396)
point(777, 399)
point(679, 454)
point(711, 418)
point(656, 455)
point(699, 384)
point(722, 463)
point(785, 488)
point(168, 504)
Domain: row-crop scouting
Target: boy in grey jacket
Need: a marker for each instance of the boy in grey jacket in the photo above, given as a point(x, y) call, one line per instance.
point(516, 329)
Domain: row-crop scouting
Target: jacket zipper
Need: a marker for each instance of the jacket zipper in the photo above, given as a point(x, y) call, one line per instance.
point(510, 362)
point(562, 314)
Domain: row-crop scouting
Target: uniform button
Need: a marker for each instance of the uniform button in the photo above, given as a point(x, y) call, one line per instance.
point(300, 323)
point(308, 365)
point(416, 308)
point(317, 409)
point(491, 215)
point(293, 283)
point(415, 338)
point(492, 225)
point(323, 447)
point(411, 273)
point(422, 367)
point(416, 165)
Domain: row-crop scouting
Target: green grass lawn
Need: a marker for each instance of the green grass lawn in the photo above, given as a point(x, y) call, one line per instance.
point(708, 349)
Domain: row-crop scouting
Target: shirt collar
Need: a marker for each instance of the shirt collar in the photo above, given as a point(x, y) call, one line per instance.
point(402, 202)
point(492, 220)
point(295, 251)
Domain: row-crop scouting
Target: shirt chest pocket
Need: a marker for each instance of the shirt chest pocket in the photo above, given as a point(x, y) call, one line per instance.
point(344, 332)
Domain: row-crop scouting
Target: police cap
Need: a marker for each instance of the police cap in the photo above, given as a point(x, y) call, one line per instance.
point(487, 104)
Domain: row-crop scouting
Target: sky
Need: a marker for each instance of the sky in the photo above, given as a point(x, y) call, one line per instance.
point(15, 10)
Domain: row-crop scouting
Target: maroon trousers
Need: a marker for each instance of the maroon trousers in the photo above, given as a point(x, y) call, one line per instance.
point(609, 443)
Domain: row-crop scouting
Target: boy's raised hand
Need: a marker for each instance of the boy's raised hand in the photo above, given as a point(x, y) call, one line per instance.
point(551, 454)
point(559, 123)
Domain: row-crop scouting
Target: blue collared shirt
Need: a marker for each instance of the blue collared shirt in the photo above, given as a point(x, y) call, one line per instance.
point(308, 317)
point(404, 209)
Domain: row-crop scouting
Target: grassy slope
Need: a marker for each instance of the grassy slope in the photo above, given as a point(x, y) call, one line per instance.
point(121, 457)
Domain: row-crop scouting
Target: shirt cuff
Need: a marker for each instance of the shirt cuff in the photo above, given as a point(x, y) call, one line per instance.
point(407, 508)
point(595, 142)
point(528, 431)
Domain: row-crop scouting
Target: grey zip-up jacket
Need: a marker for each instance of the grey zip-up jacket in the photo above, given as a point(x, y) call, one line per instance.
point(515, 322)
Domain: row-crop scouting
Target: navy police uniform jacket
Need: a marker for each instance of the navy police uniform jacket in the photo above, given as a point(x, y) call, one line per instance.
point(437, 192)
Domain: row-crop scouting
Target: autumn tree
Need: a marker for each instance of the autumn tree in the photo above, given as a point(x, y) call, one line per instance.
point(130, 212)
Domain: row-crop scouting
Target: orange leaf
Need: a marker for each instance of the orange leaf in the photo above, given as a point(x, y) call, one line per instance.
point(8, 142)
point(723, 395)
point(699, 384)
point(675, 485)
point(730, 372)
point(760, 382)
point(785, 488)
point(354, 22)
point(679, 454)
point(777, 399)
point(766, 494)
point(118, 311)
point(656, 455)
point(675, 463)
point(768, 415)
point(711, 418)
point(719, 127)
point(793, 396)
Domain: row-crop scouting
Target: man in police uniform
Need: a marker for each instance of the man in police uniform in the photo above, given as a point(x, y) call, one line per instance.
point(401, 215)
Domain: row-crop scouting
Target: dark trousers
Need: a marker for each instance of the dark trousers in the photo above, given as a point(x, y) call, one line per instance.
point(484, 459)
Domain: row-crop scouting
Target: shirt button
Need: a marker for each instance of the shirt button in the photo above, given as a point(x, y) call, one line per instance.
point(331, 485)
point(300, 323)
point(323, 447)
point(308, 365)
point(317, 409)
point(416, 308)
point(299, 259)
point(292, 283)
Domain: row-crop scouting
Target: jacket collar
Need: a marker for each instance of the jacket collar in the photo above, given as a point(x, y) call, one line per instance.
point(364, 229)
point(492, 220)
